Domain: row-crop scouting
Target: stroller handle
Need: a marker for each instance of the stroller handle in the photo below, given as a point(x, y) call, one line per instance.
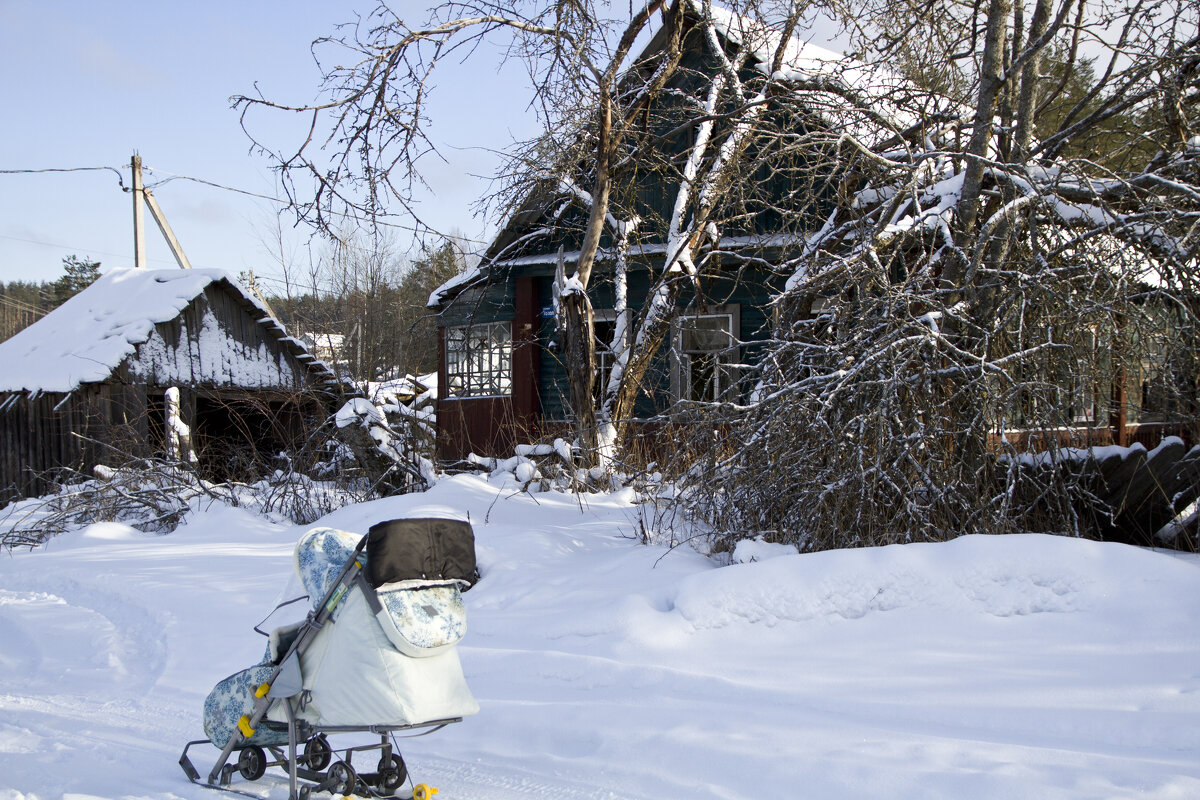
point(316, 619)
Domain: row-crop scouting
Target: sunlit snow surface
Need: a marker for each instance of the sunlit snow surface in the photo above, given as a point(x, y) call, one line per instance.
point(1015, 667)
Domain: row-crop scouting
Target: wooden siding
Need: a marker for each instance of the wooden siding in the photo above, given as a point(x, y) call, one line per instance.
point(44, 436)
point(493, 301)
point(215, 342)
point(34, 434)
point(750, 291)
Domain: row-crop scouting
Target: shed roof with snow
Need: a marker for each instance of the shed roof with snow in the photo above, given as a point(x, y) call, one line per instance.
point(130, 317)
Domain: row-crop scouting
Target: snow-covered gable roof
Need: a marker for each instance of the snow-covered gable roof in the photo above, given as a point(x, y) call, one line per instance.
point(863, 100)
point(90, 335)
point(868, 101)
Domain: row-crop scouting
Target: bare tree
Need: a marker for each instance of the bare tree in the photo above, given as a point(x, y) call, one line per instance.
point(576, 58)
point(620, 107)
point(1001, 234)
point(1011, 268)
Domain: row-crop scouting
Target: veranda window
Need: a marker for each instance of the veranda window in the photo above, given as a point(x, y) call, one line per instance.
point(479, 360)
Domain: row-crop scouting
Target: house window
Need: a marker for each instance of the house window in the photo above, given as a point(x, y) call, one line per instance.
point(604, 325)
point(706, 354)
point(1061, 385)
point(479, 360)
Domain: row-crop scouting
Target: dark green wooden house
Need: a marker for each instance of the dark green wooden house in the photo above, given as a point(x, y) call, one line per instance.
point(502, 379)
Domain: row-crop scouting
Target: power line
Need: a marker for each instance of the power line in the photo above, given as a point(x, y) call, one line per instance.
point(20, 305)
point(120, 177)
point(86, 250)
point(171, 176)
point(174, 177)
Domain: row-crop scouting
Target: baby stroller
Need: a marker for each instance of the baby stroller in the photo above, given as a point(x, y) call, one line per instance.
point(375, 654)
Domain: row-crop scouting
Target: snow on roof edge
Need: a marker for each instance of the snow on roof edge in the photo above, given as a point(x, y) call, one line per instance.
point(803, 59)
point(86, 338)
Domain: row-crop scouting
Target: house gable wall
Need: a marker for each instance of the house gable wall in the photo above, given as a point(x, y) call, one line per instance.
point(216, 342)
point(644, 191)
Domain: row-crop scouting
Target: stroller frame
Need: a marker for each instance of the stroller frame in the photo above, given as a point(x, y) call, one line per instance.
point(314, 765)
point(283, 684)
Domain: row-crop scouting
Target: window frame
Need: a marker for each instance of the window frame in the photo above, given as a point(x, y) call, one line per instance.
point(479, 360)
point(729, 358)
point(605, 355)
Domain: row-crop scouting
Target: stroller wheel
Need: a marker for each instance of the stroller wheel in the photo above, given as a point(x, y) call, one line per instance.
point(317, 753)
point(343, 777)
point(252, 763)
point(392, 773)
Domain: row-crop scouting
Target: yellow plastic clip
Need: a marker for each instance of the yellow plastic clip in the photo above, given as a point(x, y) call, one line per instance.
point(244, 726)
point(423, 792)
point(261, 691)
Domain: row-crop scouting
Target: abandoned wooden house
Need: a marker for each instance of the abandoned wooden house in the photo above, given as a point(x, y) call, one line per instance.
point(176, 363)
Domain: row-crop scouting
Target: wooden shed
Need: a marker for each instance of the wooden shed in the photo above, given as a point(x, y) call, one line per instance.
point(152, 362)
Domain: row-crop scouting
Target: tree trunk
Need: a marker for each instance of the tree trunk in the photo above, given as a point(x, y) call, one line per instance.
point(576, 308)
point(580, 356)
point(991, 80)
point(650, 334)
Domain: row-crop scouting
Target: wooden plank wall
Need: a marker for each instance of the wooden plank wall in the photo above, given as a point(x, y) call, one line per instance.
point(36, 438)
point(187, 351)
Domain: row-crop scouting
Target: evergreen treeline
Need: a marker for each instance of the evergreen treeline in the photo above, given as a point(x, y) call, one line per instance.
point(24, 302)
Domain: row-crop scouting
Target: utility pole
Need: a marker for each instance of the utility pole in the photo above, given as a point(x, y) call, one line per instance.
point(143, 195)
point(139, 220)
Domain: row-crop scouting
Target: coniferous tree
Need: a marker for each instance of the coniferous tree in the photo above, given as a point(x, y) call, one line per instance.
point(78, 274)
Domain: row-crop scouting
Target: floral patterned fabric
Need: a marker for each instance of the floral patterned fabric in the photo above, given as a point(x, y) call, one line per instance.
point(419, 619)
point(233, 697)
point(426, 619)
point(320, 555)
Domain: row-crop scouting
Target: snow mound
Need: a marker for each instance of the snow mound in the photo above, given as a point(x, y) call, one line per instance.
point(748, 551)
point(969, 576)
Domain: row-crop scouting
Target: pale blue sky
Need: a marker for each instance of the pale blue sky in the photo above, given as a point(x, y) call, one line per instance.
point(85, 84)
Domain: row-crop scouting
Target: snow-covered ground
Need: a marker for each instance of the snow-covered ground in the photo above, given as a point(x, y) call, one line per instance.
point(1015, 667)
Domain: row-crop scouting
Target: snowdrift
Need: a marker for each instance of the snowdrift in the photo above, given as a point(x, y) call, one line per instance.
point(985, 667)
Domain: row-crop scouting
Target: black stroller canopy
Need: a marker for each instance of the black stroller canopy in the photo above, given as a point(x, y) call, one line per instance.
point(421, 549)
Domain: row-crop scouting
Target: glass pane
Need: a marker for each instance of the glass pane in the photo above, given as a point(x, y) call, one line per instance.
point(479, 360)
point(705, 334)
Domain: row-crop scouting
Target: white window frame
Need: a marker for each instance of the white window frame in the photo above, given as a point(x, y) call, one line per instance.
point(479, 360)
point(728, 358)
point(605, 355)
